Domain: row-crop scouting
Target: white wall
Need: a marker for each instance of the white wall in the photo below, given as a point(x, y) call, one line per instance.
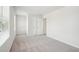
point(21, 24)
point(63, 25)
point(12, 28)
point(44, 25)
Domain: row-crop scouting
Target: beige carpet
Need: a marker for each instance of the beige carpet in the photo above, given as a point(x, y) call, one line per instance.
point(40, 44)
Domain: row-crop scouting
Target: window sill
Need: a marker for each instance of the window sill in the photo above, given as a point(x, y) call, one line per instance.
point(3, 37)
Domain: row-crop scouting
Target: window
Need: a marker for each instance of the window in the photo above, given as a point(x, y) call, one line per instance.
point(3, 19)
point(3, 24)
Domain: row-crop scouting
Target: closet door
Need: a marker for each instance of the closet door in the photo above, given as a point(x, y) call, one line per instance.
point(39, 25)
point(35, 25)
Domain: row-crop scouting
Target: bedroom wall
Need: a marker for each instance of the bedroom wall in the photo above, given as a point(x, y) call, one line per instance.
point(63, 25)
point(21, 24)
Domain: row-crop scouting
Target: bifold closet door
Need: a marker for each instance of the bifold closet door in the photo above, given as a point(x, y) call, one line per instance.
point(35, 25)
point(39, 26)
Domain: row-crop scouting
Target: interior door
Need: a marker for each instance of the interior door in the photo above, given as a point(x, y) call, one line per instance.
point(21, 24)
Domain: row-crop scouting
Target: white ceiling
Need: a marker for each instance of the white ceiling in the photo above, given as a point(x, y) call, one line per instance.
point(40, 10)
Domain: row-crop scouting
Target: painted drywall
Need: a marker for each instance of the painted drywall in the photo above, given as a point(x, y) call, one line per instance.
point(21, 24)
point(35, 25)
point(63, 25)
point(15, 23)
point(44, 25)
point(12, 31)
point(9, 14)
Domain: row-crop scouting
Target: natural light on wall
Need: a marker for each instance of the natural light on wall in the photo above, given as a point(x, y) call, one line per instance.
point(4, 25)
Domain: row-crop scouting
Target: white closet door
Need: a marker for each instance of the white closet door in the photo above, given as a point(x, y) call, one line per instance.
point(35, 25)
point(39, 26)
